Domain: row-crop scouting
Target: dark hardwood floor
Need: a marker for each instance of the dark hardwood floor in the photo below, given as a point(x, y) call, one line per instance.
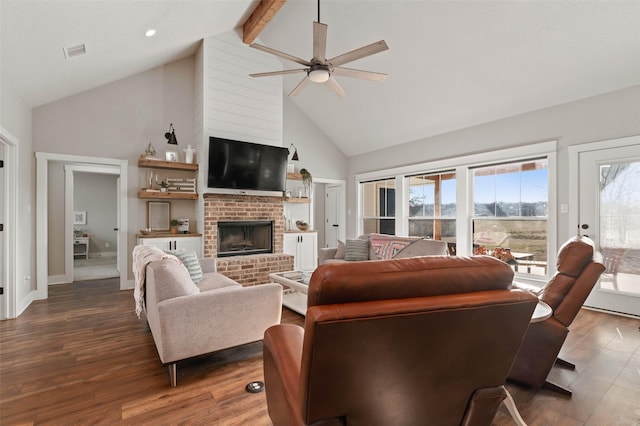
point(83, 357)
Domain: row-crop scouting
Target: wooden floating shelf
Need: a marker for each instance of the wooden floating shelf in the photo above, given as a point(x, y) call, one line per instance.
point(168, 195)
point(294, 176)
point(298, 200)
point(173, 165)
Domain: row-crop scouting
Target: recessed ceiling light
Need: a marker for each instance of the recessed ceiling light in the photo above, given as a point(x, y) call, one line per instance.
point(150, 33)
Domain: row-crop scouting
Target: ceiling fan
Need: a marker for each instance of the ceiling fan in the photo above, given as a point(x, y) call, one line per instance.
point(321, 70)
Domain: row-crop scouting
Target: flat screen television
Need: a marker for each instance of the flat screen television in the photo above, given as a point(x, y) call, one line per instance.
point(247, 166)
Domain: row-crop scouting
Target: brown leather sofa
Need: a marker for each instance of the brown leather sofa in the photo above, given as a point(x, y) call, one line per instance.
point(567, 290)
point(426, 340)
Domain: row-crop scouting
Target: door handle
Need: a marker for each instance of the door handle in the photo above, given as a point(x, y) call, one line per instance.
point(584, 226)
point(335, 226)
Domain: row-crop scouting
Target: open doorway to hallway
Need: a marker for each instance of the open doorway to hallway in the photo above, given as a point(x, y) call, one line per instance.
point(92, 194)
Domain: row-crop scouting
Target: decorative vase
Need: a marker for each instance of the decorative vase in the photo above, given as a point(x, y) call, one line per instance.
point(188, 153)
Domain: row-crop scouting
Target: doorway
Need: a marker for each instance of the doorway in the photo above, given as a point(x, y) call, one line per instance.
point(609, 213)
point(8, 223)
point(91, 203)
point(42, 214)
point(333, 223)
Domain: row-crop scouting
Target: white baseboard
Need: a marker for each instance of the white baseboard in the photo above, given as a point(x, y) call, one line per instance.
point(58, 279)
point(25, 302)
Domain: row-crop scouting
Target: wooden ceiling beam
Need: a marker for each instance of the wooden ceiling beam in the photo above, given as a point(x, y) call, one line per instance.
point(262, 14)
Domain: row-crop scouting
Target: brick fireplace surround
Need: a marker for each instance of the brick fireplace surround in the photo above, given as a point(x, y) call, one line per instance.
point(252, 269)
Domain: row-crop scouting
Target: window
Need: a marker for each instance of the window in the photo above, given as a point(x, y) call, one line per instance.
point(510, 213)
point(379, 206)
point(432, 206)
point(497, 202)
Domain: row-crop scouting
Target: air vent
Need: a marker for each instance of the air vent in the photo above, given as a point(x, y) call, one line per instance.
point(73, 51)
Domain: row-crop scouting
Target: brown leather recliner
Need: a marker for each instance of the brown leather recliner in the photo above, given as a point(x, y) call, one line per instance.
point(567, 290)
point(425, 340)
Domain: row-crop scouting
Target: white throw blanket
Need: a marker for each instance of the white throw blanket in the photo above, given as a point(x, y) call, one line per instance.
point(142, 256)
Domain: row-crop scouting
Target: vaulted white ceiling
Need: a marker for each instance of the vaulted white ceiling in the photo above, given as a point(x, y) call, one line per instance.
point(451, 64)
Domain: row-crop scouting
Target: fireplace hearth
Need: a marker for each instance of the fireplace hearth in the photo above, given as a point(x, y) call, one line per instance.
point(242, 238)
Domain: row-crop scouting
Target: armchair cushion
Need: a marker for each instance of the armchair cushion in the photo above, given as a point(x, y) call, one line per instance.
point(340, 250)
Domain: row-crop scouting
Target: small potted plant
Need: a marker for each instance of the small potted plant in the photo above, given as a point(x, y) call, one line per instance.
point(163, 186)
point(174, 226)
point(307, 180)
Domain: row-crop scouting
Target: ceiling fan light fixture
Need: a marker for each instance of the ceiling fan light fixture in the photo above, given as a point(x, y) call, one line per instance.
point(318, 75)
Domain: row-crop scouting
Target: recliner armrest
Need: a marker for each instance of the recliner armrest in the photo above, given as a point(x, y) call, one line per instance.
point(282, 354)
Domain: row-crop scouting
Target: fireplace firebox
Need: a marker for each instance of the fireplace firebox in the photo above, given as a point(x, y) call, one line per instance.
point(240, 238)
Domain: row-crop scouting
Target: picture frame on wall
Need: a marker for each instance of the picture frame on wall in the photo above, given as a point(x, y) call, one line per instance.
point(79, 217)
point(171, 155)
point(158, 215)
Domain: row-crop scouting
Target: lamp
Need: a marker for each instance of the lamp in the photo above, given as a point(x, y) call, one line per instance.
point(318, 73)
point(171, 135)
point(294, 157)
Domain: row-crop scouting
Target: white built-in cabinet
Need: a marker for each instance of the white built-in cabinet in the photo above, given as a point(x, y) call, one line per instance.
point(304, 247)
point(191, 243)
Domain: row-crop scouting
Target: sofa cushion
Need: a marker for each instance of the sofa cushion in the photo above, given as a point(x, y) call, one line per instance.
point(356, 250)
point(191, 262)
point(387, 246)
point(423, 247)
point(171, 279)
point(214, 281)
point(340, 250)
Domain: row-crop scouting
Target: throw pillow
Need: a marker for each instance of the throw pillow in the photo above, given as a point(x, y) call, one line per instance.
point(191, 262)
point(356, 250)
point(340, 251)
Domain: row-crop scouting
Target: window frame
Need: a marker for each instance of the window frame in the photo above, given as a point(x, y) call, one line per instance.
point(462, 167)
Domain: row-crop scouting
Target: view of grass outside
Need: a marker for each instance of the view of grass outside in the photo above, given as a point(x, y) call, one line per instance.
point(510, 213)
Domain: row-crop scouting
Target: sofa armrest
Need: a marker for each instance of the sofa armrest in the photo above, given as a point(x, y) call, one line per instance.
point(208, 264)
point(217, 319)
point(326, 253)
point(282, 354)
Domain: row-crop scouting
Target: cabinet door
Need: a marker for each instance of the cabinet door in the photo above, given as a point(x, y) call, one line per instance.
point(290, 246)
point(161, 243)
point(308, 252)
point(189, 243)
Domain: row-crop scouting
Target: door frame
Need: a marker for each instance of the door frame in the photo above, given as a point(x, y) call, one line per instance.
point(341, 201)
point(9, 144)
point(574, 180)
point(69, 182)
point(42, 243)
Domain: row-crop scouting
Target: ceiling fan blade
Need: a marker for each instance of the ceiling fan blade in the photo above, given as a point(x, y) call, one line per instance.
point(299, 87)
point(366, 75)
point(333, 85)
point(280, 54)
point(371, 49)
point(283, 72)
point(319, 42)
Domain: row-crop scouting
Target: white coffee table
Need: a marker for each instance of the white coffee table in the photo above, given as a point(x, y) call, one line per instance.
point(295, 295)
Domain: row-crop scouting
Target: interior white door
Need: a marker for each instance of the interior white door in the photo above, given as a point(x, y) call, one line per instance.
point(118, 219)
point(609, 213)
point(3, 266)
point(332, 215)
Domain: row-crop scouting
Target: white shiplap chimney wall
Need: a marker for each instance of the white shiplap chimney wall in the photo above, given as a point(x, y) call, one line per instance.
point(237, 106)
point(232, 105)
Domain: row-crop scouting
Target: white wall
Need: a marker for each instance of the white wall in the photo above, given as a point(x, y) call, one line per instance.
point(95, 193)
point(608, 116)
point(317, 152)
point(15, 117)
point(118, 120)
